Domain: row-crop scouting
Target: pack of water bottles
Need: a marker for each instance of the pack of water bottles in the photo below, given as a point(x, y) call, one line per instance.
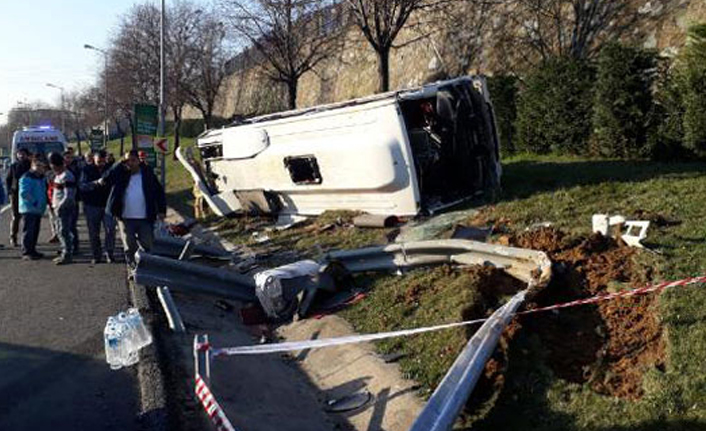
point(124, 335)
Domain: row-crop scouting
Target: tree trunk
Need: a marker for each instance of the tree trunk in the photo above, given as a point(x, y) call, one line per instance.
point(133, 132)
point(384, 69)
point(177, 126)
point(292, 93)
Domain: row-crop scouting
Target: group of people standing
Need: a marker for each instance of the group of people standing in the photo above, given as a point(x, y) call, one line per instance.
point(126, 193)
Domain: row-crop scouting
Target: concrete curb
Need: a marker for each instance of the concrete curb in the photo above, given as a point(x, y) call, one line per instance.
point(153, 399)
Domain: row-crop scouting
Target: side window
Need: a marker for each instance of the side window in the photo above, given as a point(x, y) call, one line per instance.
point(303, 169)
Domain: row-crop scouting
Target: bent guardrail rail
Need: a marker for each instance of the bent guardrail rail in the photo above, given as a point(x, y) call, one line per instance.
point(529, 266)
point(184, 276)
point(451, 395)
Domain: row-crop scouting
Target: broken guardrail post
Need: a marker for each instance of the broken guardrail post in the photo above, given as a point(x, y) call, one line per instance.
point(174, 248)
point(189, 277)
point(187, 251)
point(202, 358)
point(176, 324)
point(451, 395)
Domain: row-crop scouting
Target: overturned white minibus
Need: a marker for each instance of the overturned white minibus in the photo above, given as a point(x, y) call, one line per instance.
point(398, 153)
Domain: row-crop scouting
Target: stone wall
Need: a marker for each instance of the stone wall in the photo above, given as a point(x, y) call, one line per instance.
point(353, 72)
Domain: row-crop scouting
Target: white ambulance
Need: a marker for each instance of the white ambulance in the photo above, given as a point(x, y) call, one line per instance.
point(38, 140)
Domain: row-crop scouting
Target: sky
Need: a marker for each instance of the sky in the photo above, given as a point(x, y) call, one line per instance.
point(41, 41)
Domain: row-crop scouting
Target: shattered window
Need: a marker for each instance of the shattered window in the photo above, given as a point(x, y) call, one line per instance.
point(212, 152)
point(303, 169)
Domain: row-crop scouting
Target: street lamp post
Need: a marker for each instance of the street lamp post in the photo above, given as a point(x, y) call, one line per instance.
point(105, 92)
point(63, 109)
point(162, 102)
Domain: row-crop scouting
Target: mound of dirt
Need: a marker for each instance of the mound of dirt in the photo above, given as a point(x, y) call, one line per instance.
point(609, 345)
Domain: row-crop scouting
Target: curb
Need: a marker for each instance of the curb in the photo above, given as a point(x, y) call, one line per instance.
point(153, 400)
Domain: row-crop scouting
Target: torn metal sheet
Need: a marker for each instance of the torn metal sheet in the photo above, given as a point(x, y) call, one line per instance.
point(451, 395)
point(529, 266)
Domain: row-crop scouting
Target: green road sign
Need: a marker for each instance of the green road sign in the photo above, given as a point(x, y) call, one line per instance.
point(146, 121)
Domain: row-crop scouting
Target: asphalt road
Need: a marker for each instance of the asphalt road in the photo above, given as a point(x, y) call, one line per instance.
point(53, 373)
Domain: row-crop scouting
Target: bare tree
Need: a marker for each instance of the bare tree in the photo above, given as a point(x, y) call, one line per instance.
point(381, 21)
point(463, 26)
point(182, 50)
point(574, 28)
point(291, 37)
point(209, 66)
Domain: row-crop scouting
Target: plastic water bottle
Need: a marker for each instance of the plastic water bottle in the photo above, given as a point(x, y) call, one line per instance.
point(142, 335)
point(113, 344)
point(124, 335)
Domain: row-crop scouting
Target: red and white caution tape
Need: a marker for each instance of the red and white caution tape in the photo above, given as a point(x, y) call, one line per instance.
point(616, 295)
point(213, 409)
point(329, 342)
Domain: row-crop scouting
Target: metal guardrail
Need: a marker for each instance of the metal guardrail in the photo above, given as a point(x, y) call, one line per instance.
point(527, 265)
point(190, 277)
point(451, 395)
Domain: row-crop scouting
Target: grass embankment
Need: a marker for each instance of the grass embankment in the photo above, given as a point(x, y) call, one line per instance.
point(566, 192)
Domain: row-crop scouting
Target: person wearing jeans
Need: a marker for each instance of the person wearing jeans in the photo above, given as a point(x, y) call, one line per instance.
point(64, 205)
point(95, 198)
point(32, 196)
point(16, 171)
point(137, 200)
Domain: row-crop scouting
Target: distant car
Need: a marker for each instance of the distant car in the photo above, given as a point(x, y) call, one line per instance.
point(38, 140)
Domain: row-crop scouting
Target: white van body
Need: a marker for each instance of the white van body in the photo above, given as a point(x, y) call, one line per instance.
point(381, 155)
point(38, 140)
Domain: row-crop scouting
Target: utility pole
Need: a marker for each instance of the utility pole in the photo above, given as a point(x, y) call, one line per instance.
point(162, 101)
point(63, 106)
point(105, 92)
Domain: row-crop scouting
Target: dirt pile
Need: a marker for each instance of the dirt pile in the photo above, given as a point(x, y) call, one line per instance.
point(609, 345)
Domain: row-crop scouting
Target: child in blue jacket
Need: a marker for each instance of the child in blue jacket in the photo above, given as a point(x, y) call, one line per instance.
point(33, 204)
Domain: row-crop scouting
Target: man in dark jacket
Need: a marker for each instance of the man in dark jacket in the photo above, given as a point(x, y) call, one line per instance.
point(137, 200)
point(17, 169)
point(95, 198)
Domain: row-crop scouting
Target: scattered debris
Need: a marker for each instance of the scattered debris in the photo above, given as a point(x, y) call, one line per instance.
point(375, 221)
point(349, 402)
point(612, 226)
point(472, 233)
point(260, 237)
point(286, 221)
point(433, 227)
point(279, 301)
point(632, 239)
point(390, 358)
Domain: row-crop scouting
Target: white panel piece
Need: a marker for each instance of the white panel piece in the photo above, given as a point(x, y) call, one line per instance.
point(635, 233)
point(241, 143)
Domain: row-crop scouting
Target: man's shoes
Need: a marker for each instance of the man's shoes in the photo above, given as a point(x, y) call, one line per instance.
point(54, 239)
point(13, 241)
point(109, 258)
point(62, 260)
point(96, 261)
point(32, 256)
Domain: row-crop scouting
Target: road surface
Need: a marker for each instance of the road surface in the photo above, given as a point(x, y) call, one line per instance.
point(53, 373)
